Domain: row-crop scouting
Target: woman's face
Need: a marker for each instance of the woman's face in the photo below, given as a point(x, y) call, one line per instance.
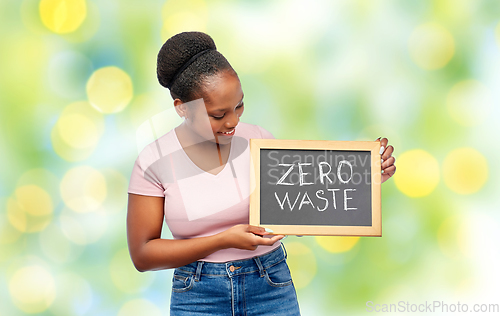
point(223, 105)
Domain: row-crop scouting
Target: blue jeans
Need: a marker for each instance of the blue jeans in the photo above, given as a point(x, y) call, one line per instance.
point(257, 286)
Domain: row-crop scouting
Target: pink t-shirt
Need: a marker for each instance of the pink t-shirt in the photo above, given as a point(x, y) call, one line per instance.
point(198, 203)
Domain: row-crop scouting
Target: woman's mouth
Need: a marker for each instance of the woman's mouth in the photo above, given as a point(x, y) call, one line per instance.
point(230, 133)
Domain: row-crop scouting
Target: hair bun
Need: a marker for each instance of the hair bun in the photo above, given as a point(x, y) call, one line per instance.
point(178, 50)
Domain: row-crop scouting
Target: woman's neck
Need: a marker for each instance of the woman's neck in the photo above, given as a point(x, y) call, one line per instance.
point(196, 146)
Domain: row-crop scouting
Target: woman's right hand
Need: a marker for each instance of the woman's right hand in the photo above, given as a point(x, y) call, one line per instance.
point(247, 237)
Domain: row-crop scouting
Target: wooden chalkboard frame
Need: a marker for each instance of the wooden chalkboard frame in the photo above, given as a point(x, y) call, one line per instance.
point(317, 230)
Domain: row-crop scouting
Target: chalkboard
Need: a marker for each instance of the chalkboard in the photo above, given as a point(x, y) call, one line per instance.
point(308, 187)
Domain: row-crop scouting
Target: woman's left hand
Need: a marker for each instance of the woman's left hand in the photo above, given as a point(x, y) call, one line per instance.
point(388, 167)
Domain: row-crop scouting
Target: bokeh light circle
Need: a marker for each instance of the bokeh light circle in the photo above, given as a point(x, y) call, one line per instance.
point(63, 16)
point(31, 208)
point(135, 282)
point(42, 178)
point(32, 289)
point(109, 89)
point(418, 173)
point(183, 15)
point(77, 131)
point(302, 264)
point(34, 200)
point(465, 170)
point(83, 189)
point(139, 307)
point(431, 46)
point(337, 244)
point(469, 102)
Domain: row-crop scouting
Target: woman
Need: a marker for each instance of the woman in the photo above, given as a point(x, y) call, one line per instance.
point(196, 176)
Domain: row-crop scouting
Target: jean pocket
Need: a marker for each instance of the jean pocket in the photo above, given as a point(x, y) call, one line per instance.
point(278, 275)
point(182, 281)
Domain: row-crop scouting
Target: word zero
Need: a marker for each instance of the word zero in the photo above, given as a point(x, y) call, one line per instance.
point(324, 171)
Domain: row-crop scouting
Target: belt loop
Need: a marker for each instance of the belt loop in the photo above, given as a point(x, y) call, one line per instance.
point(198, 271)
point(284, 250)
point(259, 264)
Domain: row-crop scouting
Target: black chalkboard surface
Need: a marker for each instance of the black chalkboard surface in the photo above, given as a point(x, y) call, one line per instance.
point(305, 187)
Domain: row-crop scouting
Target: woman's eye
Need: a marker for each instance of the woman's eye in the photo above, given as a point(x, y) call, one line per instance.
point(220, 117)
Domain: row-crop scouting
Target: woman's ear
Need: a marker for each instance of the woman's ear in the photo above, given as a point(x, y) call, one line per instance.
point(180, 108)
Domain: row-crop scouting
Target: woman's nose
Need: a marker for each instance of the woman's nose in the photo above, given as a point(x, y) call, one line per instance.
point(232, 120)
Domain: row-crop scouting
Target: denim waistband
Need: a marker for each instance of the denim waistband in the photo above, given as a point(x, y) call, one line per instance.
point(232, 268)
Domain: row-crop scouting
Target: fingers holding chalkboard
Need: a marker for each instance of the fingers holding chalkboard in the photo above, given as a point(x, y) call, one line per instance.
point(388, 167)
point(261, 231)
point(389, 162)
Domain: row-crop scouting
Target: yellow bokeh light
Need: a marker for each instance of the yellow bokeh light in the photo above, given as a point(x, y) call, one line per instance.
point(418, 173)
point(182, 22)
point(30, 210)
point(88, 28)
point(469, 102)
point(183, 15)
point(67, 152)
point(42, 178)
point(139, 307)
point(34, 200)
point(109, 89)
point(63, 16)
point(465, 170)
point(77, 132)
point(302, 263)
point(83, 189)
point(431, 46)
point(336, 244)
point(121, 265)
point(32, 289)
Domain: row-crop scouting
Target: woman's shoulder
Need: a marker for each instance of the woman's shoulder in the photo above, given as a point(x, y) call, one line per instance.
point(248, 131)
point(155, 150)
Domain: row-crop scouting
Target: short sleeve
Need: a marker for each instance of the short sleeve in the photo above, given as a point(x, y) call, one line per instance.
point(265, 133)
point(143, 180)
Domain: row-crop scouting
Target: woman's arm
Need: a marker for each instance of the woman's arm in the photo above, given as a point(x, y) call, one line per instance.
point(149, 252)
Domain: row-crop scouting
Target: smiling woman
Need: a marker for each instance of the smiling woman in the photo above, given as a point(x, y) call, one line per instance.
point(197, 178)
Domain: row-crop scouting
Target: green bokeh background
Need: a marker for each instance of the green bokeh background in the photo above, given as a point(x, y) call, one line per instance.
point(339, 70)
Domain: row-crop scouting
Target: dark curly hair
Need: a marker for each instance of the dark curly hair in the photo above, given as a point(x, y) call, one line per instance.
point(178, 50)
